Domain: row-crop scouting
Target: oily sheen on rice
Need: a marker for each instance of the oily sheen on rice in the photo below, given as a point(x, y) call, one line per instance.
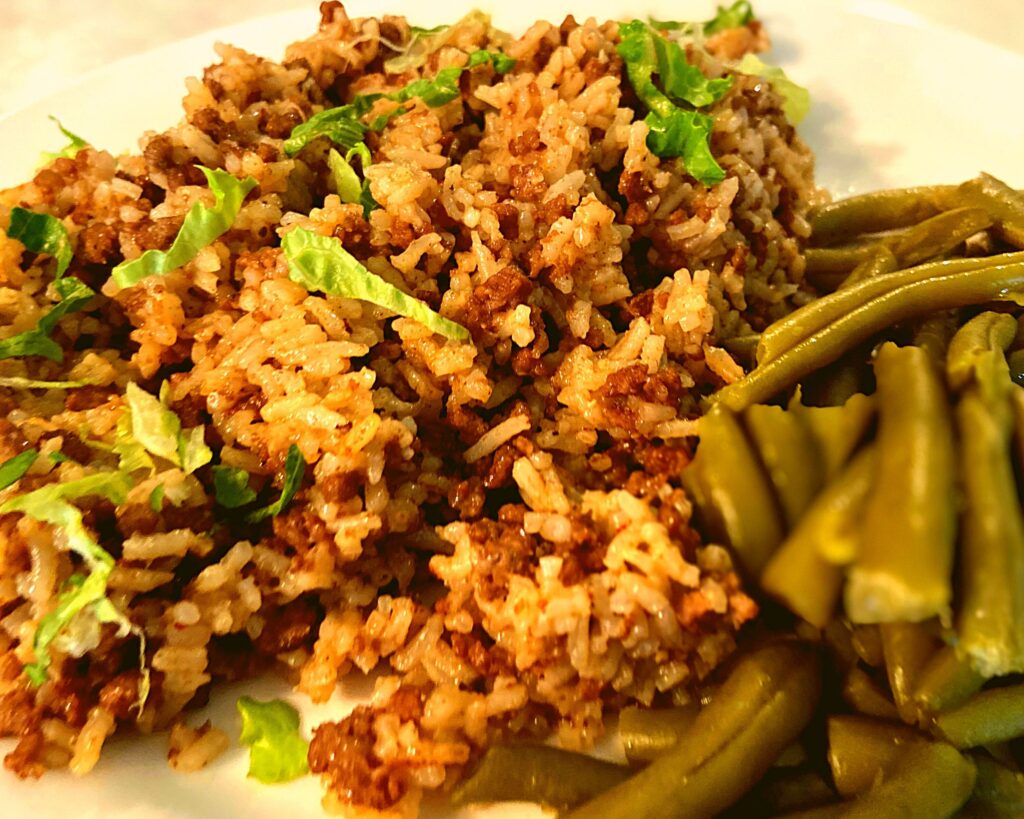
point(496, 525)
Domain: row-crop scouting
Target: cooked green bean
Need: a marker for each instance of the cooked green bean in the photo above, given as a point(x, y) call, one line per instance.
point(877, 211)
point(1003, 203)
point(538, 773)
point(1015, 361)
point(995, 715)
point(783, 790)
point(843, 260)
point(647, 732)
point(839, 381)
point(904, 566)
point(838, 430)
point(867, 642)
point(763, 706)
point(860, 324)
point(998, 792)
point(947, 680)
point(804, 573)
point(860, 748)
point(879, 262)
point(866, 697)
point(973, 347)
point(934, 333)
point(790, 455)
point(938, 235)
point(927, 780)
point(743, 348)
point(907, 647)
point(991, 620)
point(805, 321)
point(733, 496)
point(1017, 410)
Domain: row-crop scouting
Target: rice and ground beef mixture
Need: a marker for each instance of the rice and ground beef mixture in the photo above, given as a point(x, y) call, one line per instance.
point(495, 524)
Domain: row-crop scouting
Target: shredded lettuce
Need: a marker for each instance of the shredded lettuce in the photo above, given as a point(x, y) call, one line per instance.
point(675, 131)
point(58, 458)
point(796, 100)
point(16, 382)
point(42, 233)
point(69, 151)
point(73, 295)
point(294, 469)
point(321, 263)
point(158, 429)
point(231, 487)
point(131, 454)
point(202, 226)
point(156, 498)
point(277, 751)
point(425, 41)
point(344, 126)
point(346, 181)
point(50, 504)
point(14, 468)
point(738, 14)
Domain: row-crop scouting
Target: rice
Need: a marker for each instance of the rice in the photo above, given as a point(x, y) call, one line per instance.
point(496, 524)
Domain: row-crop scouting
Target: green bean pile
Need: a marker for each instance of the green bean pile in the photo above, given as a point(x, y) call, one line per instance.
point(877, 505)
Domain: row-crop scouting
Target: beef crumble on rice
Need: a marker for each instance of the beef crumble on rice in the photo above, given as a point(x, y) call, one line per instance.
point(496, 523)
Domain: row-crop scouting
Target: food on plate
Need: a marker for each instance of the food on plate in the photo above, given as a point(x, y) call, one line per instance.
point(535, 375)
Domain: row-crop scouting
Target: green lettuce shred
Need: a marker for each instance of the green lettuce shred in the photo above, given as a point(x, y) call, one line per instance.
point(231, 487)
point(13, 469)
point(738, 14)
point(425, 41)
point(344, 126)
point(321, 263)
point(277, 751)
point(73, 296)
point(294, 469)
point(16, 382)
point(350, 188)
point(131, 454)
point(796, 100)
point(676, 128)
point(156, 427)
point(202, 226)
point(156, 498)
point(42, 233)
point(69, 151)
point(85, 595)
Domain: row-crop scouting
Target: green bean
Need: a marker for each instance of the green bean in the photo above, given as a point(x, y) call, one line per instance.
point(880, 262)
point(790, 455)
point(647, 732)
point(735, 501)
point(783, 790)
point(991, 620)
point(803, 573)
point(1015, 361)
point(538, 773)
point(839, 381)
point(866, 697)
point(877, 211)
point(998, 792)
point(860, 748)
point(841, 260)
point(1017, 411)
point(938, 235)
point(903, 570)
point(973, 346)
point(763, 706)
point(867, 642)
point(907, 647)
point(946, 681)
point(803, 322)
point(838, 430)
point(743, 348)
point(934, 333)
point(995, 715)
point(857, 326)
point(1003, 203)
point(927, 780)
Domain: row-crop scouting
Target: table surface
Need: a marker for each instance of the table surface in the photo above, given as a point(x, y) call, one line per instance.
point(39, 56)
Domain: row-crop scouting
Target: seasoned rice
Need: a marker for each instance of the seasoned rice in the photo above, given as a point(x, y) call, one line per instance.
point(495, 525)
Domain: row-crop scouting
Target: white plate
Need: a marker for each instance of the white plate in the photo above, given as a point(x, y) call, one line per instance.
point(896, 101)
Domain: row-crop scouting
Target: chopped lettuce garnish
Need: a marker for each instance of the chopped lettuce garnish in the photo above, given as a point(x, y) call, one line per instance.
point(14, 468)
point(675, 131)
point(156, 498)
point(131, 454)
point(344, 126)
point(202, 226)
point(231, 486)
point(158, 429)
point(350, 188)
point(294, 469)
point(277, 751)
point(50, 504)
point(321, 263)
point(42, 233)
point(58, 458)
point(69, 151)
point(74, 295)
point(425, 41)
point(796, 100)
point(738, 14)
point(419, 31)
point(16, 382)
